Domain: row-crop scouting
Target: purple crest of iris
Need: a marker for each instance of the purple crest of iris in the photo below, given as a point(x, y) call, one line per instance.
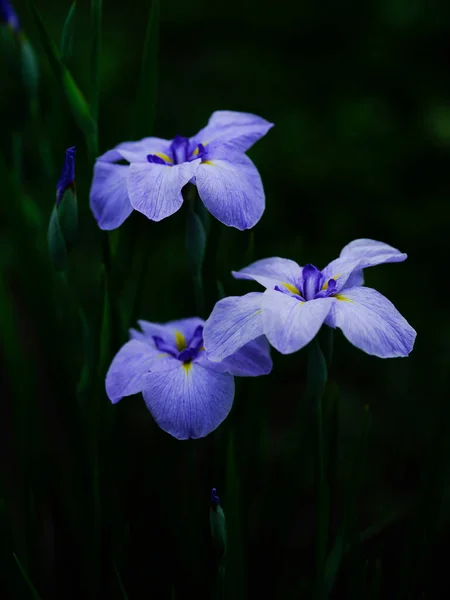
point(67, 177)
point(299, 300)
point(187, 395)
point(156, 171)
point(8, 15)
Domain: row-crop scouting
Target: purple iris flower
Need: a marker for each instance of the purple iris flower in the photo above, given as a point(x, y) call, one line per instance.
point(67, 177)
point(227, 181)
point(8, 15)
point(298, 300)
point(188, 395)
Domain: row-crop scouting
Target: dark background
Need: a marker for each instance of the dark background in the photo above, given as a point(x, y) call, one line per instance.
point(360, 97)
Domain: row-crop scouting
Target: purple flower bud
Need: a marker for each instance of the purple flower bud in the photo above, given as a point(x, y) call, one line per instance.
point(8, 15)
point(67, 177)
point(215, 500)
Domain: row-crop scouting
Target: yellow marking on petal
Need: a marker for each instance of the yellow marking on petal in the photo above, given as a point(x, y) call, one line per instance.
point(342, 298)
point(164, 156)
point(325, 285)
point(291, 287)
point(180, 340)
point(208, 162)
point(195, 152)
point(187, 366)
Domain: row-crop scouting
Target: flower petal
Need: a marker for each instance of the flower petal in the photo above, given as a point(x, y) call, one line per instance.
point(270, 272)
point(231, 189)
point(234, 322)
point(372, 253)
point(155, 190)
point(290, 324)
point(372, 323)
point(185, 326)
point(108, 197)
point(136, 151)
point(130, 366)
point(189, 401)
point(241, 130)
point(251, 360)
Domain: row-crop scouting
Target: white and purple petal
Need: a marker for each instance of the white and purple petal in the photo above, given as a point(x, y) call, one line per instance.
point(372, 323)
point(155, 189)
point(230, 187)
point(108, 197)
point(290, 324)
point(136, 151)
point(189, 401)
point(270, 272)
point(241, 130)
point(130, 366)
point(234, 321)
point(251, 360)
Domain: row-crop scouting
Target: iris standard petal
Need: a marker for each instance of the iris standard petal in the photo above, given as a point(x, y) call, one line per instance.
point(270, 272)
point(108, 197)
point(234, 322)
point(136, 151)
point(185, 326)
point(155, 190)
point(372, 252)
point(290, 324)
point(251, 360)
point(130, 365)
point(231, 189)
point(372, 323)
point(241, 130)
point(189, 401)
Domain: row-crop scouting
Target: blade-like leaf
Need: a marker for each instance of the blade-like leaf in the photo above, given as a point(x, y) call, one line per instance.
point(27, 579)
point(96, 18)
point(145, 107)
point(75, 98)
point(65, 47)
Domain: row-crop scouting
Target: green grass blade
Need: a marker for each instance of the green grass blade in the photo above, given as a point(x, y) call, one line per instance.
point(76, 100)
point(145, 106)
point(66, 44)
point(120, 584)
point(27, 579)
point(96, 18)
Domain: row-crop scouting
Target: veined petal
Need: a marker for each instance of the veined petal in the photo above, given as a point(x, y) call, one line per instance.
point(234, 322)
point(185, 326)
point(290, 324)
point(231, 189)
point(108, 197)
point(372, 323)
point(155, 190)
point(130, 366)
point(270, 272)
point(241, 130)
point(189, 401)
point(251, 360)
point(136, 151)
point(372, 253)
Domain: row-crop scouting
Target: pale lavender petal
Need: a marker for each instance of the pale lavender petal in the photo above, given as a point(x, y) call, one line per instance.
point(231, 189)
point(290, 324)
point(234, 321)
point(372, 253)
point(270, 272)
point(108, 198)
point(372, 323)
point(185, 326)
point(251, 360)
point(136, 151)
point(341, 270)
point(189, 401)
point(241, 130)
point(163, 330)
point(155, 190)
point(130, 366)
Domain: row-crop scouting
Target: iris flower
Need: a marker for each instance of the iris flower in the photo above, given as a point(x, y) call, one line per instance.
point(228, 182)
point(298, 300)
point(8, 15)
point(188, 395)
point(67, 177)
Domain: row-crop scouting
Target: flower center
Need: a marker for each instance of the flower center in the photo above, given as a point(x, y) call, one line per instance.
point(312, 285)
point(179, 347)
point(180, 151)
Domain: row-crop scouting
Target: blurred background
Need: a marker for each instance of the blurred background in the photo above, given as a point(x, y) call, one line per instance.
point(360, 97)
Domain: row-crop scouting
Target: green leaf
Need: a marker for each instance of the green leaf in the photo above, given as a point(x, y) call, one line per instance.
point(27, 579)
point(66, 44)
point(68, 217)
point(218, 529)
point(96, 18)
point(195, 242)
point(30, 67)
point(56, 244)
point(145, 107)
point(75, 98)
